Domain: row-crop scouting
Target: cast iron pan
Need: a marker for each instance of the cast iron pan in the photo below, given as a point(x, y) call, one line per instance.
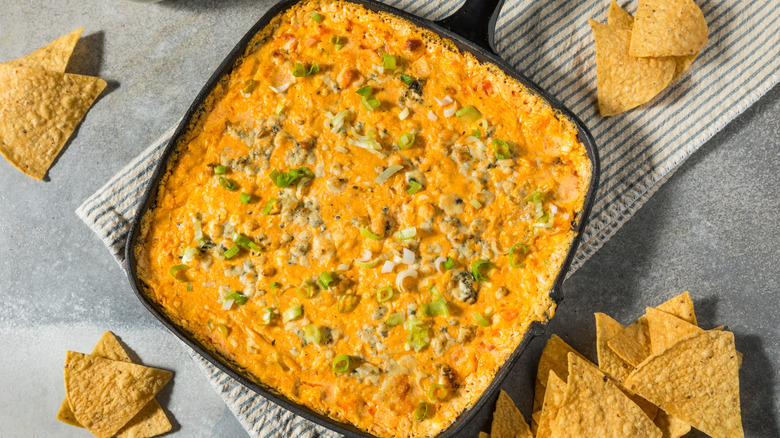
point(472, 29)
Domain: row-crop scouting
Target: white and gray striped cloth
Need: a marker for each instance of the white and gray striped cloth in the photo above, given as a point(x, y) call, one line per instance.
point(551, 43)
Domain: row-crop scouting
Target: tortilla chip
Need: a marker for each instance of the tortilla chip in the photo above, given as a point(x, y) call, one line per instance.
point(53, 57)
point(681, 63)
point(484, 435)
point(553, 398)
point(39, 110)
point(695, 380)
point(617, 16)
point(105, 394)
point(666, 329)
point(632, 344)
point(609, 362)
point(554, 357)
point(670, 426)
point(150, 421)
point(668, 28)
point(625, 82)
point(508, 422)
point(594, 407)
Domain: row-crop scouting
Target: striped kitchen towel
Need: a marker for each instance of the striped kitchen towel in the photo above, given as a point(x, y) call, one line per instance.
point(552, 44)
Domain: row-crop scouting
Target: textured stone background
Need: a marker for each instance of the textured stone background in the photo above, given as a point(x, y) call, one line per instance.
point(712, 229)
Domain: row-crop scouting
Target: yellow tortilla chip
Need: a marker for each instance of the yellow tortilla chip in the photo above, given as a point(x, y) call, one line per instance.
point(609, 362)
point(484, 435)
point(625, 82)
point(105, 394)
point(670, 426)
point(695, 380)
point(554, 358)
point(681, 63)
point(666, 329)
point(39, 110)
point(508, 422)
point(632, 344)
point(553, 398)
point(668, 28)
point(53, 57)
point(150, 421)
point(617, 16)
point(594, 407)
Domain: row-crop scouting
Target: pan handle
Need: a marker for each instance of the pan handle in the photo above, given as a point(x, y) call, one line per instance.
point(476, 21)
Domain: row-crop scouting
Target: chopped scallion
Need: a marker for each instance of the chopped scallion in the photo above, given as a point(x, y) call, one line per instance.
point(365, 91)
point(522, 248)
point(250, 86)
point(395, 319)
point(438, 392)
point(232, 251)
point(347, 302)
point(388, 62)
point(406, 233)
point(237, 297)
point(341, 363)
point(476, 204)
point(406, 79)
point(268, 315)
point(326, 279)
point(469, 112)
point(449, 263)
point(421, 411)
point(293, 312)
point(317, 17)
point(384, 294)
point(175, 271)
point(406, 141)
point(245, 198)
point(305, 290)
point(478, 266)
point(414, 187)
point(312, 334)
point(245, 242)
point(501, 149)
point(269, 206)
point(220, 170)
point(299, 70)
point(365, 233)
point(476, 133)
point(223, 330)
point(481, 320)
point(225, 183)
point(370, 104)
point(275, 285)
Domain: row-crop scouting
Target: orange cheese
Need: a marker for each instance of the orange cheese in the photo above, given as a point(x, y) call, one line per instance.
point(511, 175)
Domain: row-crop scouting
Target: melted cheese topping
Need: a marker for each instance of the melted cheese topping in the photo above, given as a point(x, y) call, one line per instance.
point(512, 175)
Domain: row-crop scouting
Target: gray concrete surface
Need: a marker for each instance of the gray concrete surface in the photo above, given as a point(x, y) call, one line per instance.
point(712, 229)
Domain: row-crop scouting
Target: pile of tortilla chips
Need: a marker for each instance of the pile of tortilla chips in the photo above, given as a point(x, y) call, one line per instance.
point(41, 105)
point(111, 396)
point(657, 377)
point(636, 58)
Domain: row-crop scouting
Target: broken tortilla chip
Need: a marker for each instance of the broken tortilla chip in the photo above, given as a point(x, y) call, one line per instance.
point(619, 17)
point(696, 380)
point(632, 344)
point(39, 110)
point(105, 394)
point(508, 422)
point(624, 82)
point(593, 406)
point(666, 329)
point(149, 422)
point(53, 57)
point(554, 357)
point(668, 28)
point(671, 427)
point(553, 398)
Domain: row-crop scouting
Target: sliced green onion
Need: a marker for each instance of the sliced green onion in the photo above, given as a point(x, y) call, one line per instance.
point(438, 392)
point(334, 39)
point(317, 17)
point(249, 87)
point(384, 294)
point(547, 262)
point(364, 231)
point(268, 315)
point(305, 290)
point(225, 183)
point(189, 285)
point(404, 114)
point(523, 249)
point(275, 285)
point(326, 279)
point(414, 187)
point(476, 204)
point(347, 302)
point(222, 330)
point(481, 320)
point(245, 198)
point(501, 149)
point(365, 91)
point(232, 251)
point(395, 319)
point(418, 336)
point(406, 79)
point(388, 62)
point(175, 271)
point(339, 46)
point(341, 363)
point(370, 104)
point(536, 199)
point(469, 112)
point(293, 312)
point(312, 334)
point(476, 133)
point(406, 233)
point(406, 141)
point(210, 325)
point(387, 173)
point(237, 297)
point(421, 411)
point(299, 70)
point(449, 263)
point(476, 269)
point(220, 170)
point(370, 264)
point(306, 171)
point(269, 206)
point(437, 307)
point(245, 242)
